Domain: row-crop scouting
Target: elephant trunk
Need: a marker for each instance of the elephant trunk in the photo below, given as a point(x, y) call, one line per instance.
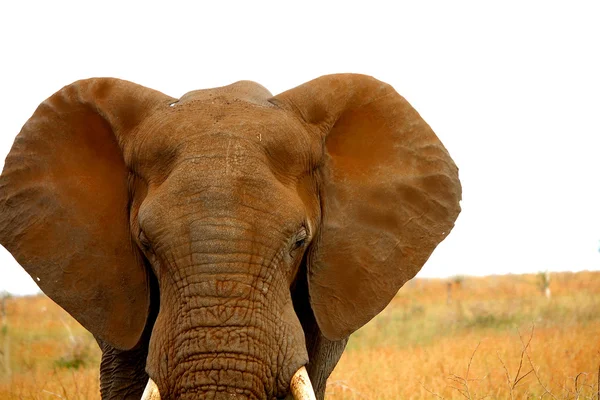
point(225, 329)
point(300, 388)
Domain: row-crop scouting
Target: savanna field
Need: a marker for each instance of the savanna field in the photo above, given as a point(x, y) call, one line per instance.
point(495, 337)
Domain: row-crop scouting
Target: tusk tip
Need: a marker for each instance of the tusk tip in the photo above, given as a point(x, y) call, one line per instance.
point(300, 386)
point(151, 391)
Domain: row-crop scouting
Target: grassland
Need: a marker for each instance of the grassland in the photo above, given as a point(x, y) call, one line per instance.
point(495, 337)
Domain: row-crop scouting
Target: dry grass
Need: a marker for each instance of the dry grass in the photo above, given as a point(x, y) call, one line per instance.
point(440, 370)
point(498, 338)
point(46, 344)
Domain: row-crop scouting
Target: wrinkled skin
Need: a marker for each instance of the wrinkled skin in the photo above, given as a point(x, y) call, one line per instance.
point(220, 241)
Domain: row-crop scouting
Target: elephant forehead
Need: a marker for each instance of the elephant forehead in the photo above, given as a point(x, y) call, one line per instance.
point(231, 136)
point(203, 192)
point(247, 91)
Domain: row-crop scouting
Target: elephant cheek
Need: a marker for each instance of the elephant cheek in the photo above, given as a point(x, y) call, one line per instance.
point(293, 348)
point(159, 354)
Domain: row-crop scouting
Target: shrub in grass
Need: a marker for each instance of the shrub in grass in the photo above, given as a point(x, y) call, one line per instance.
point(77, 355)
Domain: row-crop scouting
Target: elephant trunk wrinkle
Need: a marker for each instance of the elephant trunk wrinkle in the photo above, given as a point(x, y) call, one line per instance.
point(228, 373)
point(223, 326)
point(224, 342)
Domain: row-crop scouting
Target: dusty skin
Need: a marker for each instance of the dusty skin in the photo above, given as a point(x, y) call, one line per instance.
point(220, 242)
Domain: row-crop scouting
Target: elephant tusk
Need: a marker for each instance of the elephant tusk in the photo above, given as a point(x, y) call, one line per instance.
point(301, 387)
point(151, 391)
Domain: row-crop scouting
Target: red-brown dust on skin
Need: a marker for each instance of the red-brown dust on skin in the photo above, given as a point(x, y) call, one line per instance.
point(142, 215)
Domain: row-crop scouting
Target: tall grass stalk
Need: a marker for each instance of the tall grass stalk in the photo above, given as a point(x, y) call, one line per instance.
point(5, 337)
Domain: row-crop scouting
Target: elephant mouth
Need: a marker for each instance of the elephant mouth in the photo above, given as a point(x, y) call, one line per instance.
point(300, 388)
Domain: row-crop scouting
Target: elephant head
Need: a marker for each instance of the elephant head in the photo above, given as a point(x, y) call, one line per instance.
point(219, 242)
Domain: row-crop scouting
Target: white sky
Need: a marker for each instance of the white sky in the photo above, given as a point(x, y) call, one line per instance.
point(512, 89)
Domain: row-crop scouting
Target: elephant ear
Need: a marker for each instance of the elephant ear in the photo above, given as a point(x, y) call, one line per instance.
point(389, 194)
point(64, 205)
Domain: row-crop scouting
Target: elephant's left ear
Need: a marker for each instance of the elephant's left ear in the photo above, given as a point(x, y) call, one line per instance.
point(65, 200)
point(389, 192)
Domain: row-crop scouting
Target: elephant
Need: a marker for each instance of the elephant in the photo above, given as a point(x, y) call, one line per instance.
point(225, 244)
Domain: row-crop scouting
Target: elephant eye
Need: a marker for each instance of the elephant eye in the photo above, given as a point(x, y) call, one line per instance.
point(144, 241)
point(300, 239)
point(298, 243)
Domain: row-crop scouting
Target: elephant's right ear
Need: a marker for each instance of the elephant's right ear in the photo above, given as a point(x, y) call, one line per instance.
point(64, 205)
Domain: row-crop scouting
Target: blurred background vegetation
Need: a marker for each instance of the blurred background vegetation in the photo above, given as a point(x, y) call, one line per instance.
point(497, 337)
